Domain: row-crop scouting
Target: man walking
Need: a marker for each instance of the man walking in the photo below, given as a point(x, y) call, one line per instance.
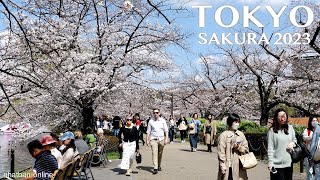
point(157, 137)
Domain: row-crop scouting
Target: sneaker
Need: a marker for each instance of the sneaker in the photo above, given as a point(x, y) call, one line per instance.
point(128, 173)
point(194, 150)
point(171, 142)
point(155, 171)
point(159, 168)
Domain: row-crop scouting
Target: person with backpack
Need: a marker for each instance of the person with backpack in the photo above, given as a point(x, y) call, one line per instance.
point(314, 157)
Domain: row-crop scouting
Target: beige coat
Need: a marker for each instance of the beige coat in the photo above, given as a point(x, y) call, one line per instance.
point(225, 151)
point(209, 137)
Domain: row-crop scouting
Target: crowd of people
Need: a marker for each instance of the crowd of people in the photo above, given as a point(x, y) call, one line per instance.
point(52, 152)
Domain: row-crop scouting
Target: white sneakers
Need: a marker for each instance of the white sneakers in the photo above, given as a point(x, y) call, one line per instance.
point(171, 142)
point(183, 141)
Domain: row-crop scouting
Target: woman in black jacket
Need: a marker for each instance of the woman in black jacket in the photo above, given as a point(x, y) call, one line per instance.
point(129, 141)
point(182, 126)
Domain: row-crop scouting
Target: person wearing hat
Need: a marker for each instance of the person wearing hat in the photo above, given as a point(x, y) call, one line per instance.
point(45, 163)
point(49, 144)
point(70, 150)
point(129, 141)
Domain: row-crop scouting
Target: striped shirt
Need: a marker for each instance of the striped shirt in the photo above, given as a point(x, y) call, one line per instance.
point(45, 165)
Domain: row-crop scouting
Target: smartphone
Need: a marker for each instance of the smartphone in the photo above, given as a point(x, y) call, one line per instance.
point(273, 170)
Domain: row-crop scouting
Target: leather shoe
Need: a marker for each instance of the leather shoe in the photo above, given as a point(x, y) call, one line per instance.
point(155, 171)
point(159, 168)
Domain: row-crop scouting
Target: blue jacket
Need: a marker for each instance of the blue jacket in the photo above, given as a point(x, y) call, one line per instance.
point(314, 141)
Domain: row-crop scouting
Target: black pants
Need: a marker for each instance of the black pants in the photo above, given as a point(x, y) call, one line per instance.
point(282, 174)
point(183, 134)
point(230, 174)
point(209, 147)
point(141, 137)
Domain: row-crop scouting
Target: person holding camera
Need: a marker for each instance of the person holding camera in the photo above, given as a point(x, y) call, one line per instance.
point(209, 131)
point(281, 139)
point(232, 144)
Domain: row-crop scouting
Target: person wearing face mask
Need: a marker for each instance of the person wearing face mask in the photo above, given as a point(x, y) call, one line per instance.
point(313, 148)
point(232, 144)
point(194, 127)
point(209, 131)
point(281, 138)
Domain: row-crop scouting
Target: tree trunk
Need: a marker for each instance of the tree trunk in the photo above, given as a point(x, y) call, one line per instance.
point(87, 114)
point(264, 117)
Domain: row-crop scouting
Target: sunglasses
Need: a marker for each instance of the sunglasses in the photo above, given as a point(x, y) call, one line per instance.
point(129, 119)
point(157, 112)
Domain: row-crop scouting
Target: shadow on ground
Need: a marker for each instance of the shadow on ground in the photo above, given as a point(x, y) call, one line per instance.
point(118, 170)
point(145, 168)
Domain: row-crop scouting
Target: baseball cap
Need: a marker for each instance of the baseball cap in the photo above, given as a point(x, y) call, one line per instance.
point(67, 135)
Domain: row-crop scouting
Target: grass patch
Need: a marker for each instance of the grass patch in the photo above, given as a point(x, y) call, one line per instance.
point(113, 155)
point(296, 168)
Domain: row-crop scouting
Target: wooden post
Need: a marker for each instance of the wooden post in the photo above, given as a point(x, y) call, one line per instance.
point(301, 166)
point(12, 162)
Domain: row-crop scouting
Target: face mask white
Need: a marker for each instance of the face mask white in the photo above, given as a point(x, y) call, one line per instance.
point(62, 147)
point(235, 126)
point(314, 124)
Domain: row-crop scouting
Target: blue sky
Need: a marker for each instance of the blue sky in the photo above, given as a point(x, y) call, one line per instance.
point(190, 24)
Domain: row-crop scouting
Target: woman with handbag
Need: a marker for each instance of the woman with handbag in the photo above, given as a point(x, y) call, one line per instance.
point(193, 127)
point(129, 141)
point(182, 126)
point(232, 144)
point(281, 139)
point(209, 131)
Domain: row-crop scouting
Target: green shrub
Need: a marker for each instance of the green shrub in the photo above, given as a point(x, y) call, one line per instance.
point(252, 127)
point(221, 126)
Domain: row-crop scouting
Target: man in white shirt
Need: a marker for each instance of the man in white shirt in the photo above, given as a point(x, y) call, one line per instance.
point(157, 137)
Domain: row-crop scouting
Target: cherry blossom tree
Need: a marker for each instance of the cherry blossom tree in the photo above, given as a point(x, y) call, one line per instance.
point(70, 55)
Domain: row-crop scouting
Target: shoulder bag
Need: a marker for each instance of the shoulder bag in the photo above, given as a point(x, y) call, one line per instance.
point(296, 154)
point(248, 160)
point(138, 158)
point(192, 129)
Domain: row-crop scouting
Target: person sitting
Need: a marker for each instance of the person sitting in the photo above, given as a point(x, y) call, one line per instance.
point(70, 150)
point(45, 163)
point(101, 137)
point(81, 145)
point(90, 138)
point(49, 143)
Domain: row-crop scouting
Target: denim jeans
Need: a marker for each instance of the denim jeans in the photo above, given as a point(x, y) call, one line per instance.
point(193, 140)
point(171, 133)
point(116, 132)
point(310, 176)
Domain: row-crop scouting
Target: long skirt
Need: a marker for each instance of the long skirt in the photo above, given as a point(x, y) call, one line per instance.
point(128, 155)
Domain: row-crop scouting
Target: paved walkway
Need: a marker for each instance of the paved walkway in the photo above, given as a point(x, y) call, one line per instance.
point(179, 164)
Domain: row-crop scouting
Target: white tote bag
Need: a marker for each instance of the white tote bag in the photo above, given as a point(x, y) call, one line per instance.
point(248, 160)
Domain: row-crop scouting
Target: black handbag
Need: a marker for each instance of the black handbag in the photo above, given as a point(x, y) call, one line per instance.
point(138, 158)
point(297, 154)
